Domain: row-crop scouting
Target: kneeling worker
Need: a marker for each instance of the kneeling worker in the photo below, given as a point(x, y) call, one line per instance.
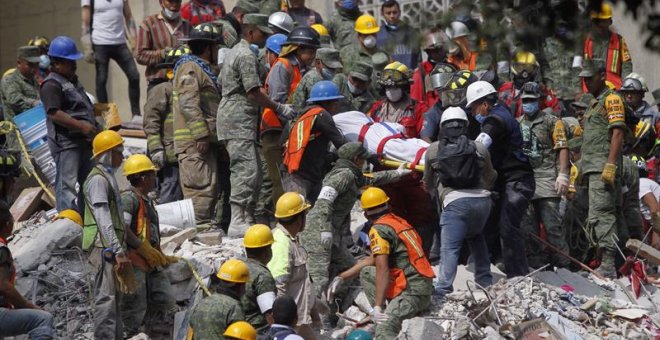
point(260, 289)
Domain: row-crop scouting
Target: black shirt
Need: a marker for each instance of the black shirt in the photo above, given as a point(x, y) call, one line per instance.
point(312, 164)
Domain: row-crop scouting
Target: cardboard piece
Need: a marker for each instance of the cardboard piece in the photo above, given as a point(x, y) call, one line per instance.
point(26, 204)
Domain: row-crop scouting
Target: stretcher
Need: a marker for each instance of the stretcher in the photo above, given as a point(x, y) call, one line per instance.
point(384, 139)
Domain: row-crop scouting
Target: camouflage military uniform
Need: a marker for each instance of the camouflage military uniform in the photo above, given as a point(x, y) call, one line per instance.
point(358, 102)
point(543, 138)
point(342, 29)
point(261, 282)
point(415, 298)
point(354, 53)
point(229, 35)
point(301, 94)
point(210, 317)
point(17, 94)
point(268, 7)
point(630, 223)
point(563, 79)
point(331, 213)
point(237, 123)
point(194, 105)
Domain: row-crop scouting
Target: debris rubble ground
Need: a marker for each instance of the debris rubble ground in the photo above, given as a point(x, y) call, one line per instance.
point(549, 304)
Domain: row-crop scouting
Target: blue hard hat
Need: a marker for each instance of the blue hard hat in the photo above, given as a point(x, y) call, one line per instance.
point(324, 90)
point(65, 48)
point(274, 42)
point(359, 334)
point(348, 4)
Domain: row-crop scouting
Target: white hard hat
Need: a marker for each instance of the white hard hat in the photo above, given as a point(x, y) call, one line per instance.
point(281, 20)
point(477, 90)
point(634, 82)
point(453, 113)
point(457, 29)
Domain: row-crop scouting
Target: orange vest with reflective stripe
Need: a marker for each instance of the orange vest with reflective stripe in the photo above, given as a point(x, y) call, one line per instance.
point(269, 120)
point(613, 62)
point(413, 242)
point(143, 232)
point(299, 137)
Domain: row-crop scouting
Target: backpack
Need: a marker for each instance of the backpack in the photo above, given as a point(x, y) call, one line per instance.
point(457, 163)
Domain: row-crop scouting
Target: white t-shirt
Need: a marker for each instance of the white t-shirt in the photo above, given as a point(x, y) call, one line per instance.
point(108, 22)
point(645, 186)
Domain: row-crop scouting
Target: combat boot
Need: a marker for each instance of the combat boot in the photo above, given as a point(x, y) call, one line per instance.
point(238, 224)
point(607, 268)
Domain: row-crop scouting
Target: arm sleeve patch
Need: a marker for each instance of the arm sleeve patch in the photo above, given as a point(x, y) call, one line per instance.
point(328, 193)
point(484, 139)
point(379, 246)
point(614, 109)
point(559, 135)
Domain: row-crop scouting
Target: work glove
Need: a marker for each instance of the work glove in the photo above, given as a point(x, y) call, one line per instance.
point(609, 173)
point(378, 316)
point(125, 275)
point(172, 259)
point(561, 183)
point(153, 256)
point(655, 222)
point(88, 50)
point(326, 239)
point(402, 171)
point(158, 158)
point(286, 112)
point(333, 287)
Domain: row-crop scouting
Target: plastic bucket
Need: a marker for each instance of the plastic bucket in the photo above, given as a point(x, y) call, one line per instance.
point(179, 214)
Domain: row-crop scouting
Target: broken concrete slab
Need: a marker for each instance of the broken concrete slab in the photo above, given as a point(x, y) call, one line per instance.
point(179, 237)
point(212, 238)
point(645, 250)
point(35, 249)
point(419, 328)
point(178, 272)
point(580, 284)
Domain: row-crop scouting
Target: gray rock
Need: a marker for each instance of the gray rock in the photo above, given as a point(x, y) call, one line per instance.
point(35, 250)
point(419, 328)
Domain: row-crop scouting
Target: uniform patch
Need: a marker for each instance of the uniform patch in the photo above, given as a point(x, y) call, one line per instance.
point(614, 109)
point(379, 246)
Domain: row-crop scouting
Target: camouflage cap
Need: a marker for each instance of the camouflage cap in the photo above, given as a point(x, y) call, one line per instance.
point(352, 150)
point(531, 90)
point(29, 53)
point(361, 71)
point(380, 60)
point(591, 67)
point(329, 57)
point(247, 6)
point(656, 96)
point(259, 20)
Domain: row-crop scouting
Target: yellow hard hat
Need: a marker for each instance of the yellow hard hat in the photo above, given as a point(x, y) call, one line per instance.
point(234, 270)
point(373, 197)
point(366, 24)
point(39, 41)
point(395, 74)
point(524, 57)
point(241, 330)
point(290, 204)
point(257, 236)
point(320, 29)
point(104, 141)
point(71, 215)
point(605, 12)
point(138, 163)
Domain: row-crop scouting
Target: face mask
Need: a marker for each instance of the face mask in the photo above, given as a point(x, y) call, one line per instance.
point(354, 90)
point(44, 62)
point(480, 118)
point(369, 42)
point(328, 74)
point(255, 49)
point(171, 15)
point(394, 94)
point(530, 109)
point(392, 27)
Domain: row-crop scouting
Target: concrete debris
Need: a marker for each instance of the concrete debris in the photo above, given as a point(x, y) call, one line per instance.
point(178, 238)
point(211, 238)
point(32, 246)
point(419, 328)
point(644, 250)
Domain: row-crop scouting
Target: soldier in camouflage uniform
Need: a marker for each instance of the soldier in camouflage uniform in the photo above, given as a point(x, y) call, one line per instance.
point(268, 7)
point(630, 220)
point(238, 116)
point(260, 289)
point(546, 146)
point(560, 76)
point(230, 24)
point(327, 236)
point(600, 171)
point(326, 66)
point(19, 90)
point(211, 316)
point(355, 87)
point(342, 25)
point(362, 49)
point(194, 104)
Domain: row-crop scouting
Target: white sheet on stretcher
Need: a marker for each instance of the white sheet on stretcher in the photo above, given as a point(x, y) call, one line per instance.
point(404, 150)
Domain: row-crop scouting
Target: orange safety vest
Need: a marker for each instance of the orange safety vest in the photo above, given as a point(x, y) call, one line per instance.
point(470, 64)
point(613, 62)
point(269, 119)
point(409, 236)
point(299, 137)
point(143, 231)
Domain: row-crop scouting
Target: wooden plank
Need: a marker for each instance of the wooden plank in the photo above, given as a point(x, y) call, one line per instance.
point(132, 133)
point(645, 251)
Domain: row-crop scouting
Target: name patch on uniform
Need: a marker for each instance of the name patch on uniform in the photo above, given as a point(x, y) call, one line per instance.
point(614, 109)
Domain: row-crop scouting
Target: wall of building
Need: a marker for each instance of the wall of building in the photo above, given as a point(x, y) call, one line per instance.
point(20, 20)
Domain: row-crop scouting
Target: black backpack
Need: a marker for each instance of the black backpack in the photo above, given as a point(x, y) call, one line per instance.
point(457, 163)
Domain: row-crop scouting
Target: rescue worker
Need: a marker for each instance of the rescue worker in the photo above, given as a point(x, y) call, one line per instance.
point(434, 44)
point(70, 122)
point(306, 152)
point(257, 303)
point(324, 35)
point(633, 90)
point(19, 90)
point(289, 263)
point(238, 116)
point(198, 12)
point(231, 23)
point(285, 317)
point(327, 235)
point(397, 272)
point(525, 68)
point(326, 67)
point(297, 55)
point(158, 126)
point(364, 46)
point(10, 168)
point(397, 106)
point(560, 76)
point(602, 142)
point(544, 138)
point(44, 62)
point(460, 53)
point(273, 48)
point(603, 43)
point(500, 134)
point(439, 79)
point(355, 88)
point(17, 314)
point(281, 23)
point(302, 15)
point(630, 222)
point(154, 292)
point(105, 234)
point(397, 37)
point(195, 101)
point(240, 330)
point(210, 318)
point(341, 25)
